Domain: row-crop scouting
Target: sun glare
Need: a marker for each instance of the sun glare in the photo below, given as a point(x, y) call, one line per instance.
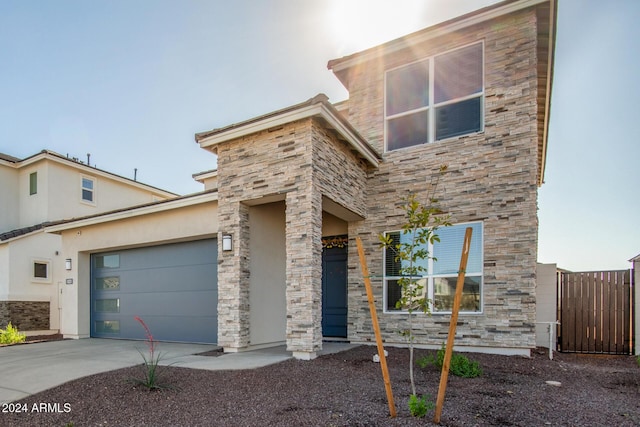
point(359, 24)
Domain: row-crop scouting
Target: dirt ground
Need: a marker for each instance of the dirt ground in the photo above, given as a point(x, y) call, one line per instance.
point(346, 389)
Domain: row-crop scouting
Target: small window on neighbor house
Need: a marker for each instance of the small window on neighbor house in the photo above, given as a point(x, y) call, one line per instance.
point(33, 183)
point(41, 271)
point(88, 190)
point(436, 98)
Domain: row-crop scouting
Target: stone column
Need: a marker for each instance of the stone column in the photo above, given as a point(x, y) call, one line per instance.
point(304, 272)
point(233, 278)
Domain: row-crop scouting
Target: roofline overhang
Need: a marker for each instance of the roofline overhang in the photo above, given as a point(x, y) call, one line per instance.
point(59, 158)
point(201, 176)
point(318, 106)
point(553, 12)
point(437, 30)
point(157, 207)
point(21, 236)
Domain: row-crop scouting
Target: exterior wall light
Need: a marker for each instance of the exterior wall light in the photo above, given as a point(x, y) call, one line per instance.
point(227, 242)
point(67, 264)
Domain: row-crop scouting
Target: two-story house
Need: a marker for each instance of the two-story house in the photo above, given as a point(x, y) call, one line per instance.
point(37, 191)
point(296, 186)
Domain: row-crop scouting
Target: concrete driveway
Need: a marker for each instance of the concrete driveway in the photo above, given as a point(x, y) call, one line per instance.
point(32, 368)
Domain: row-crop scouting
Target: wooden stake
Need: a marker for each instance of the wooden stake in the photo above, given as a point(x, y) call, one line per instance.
point(452, 326)
point(376, 329)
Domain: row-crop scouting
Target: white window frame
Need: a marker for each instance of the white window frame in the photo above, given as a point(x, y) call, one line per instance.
point(32, 266)
point(432, 106)
point(429, 277)
point(93, 190)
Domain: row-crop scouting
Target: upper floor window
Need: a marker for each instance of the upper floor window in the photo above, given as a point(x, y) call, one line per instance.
point(434, 99)
point(88, 189)
point(439, 277)
point(33, 183)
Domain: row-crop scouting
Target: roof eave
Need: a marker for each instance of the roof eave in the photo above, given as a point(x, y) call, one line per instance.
point(553, 13)
point(135, 211)
point(452, 25)
point(59, 158)
point(315, 107)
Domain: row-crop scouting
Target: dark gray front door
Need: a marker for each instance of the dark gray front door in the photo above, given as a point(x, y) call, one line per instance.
point(334, 291)
point(173, 288)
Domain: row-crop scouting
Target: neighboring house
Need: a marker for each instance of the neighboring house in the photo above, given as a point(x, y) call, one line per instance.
point(295, 187)
point(35, 192)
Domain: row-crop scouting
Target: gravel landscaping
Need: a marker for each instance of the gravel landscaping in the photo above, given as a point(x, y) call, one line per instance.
point(346, 389)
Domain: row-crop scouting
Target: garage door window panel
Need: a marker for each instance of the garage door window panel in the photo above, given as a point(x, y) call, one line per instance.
point(107, 283)
point(110, 305)
point(107, 261)
point(108, 326)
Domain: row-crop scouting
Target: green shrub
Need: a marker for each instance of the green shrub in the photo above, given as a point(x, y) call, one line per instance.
point(11, 335)
point(459, 366)
point(419, 407)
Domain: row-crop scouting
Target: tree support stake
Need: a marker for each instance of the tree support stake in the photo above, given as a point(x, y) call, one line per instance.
point(376, 329)
point(452, 326)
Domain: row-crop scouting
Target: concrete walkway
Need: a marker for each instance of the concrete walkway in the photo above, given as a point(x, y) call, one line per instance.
point(32, 368)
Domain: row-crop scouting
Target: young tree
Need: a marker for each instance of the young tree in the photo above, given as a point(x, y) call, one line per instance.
point(420, 228)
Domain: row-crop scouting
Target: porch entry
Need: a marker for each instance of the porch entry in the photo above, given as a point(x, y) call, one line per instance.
point(334, 286)
point(595, 312)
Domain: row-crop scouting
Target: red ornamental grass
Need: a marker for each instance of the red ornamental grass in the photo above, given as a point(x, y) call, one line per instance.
point(150, 341)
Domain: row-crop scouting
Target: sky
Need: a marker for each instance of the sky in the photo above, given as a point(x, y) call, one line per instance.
point(132, 81)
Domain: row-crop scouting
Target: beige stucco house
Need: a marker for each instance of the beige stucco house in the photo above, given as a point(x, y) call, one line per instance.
point(266, 255)
point(37, 191)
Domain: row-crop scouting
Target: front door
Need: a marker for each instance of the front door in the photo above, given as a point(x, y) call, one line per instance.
point(334, 287)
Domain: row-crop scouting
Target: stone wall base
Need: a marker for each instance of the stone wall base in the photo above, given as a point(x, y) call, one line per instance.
point(25, 315)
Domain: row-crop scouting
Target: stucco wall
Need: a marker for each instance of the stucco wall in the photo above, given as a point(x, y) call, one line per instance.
point(33, 208)
point(8, 192)
point(16, 274)
point(267, 294)
point(180, 224)
point(59, 193)
point(491, 178)
point(546, 303)
point(333, 226)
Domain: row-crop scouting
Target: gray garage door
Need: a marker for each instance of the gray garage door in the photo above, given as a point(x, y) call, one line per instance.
point(173, 288)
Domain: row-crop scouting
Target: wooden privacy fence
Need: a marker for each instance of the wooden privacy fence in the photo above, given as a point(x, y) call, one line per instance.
point(595, 312)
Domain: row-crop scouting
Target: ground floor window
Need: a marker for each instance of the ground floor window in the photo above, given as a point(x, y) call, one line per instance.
point(41, 271)
point(441, 273)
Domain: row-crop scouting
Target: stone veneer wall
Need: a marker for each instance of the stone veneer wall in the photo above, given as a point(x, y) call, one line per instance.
point(298, 162)
point(338, 173)
point(491, 178)
point(25, 315)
